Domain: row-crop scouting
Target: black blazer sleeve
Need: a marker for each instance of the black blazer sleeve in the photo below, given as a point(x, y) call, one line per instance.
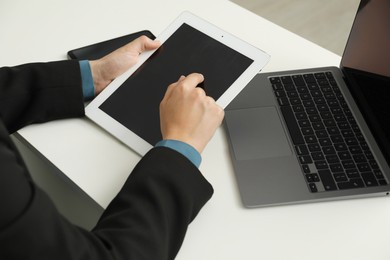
point(146, 220)
point(39, 92)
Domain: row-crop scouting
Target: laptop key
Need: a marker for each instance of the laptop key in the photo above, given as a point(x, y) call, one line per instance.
point(304, 123)
point(323, 82)
point(307, 131)
point(336, 110)
point(292, 94)
point(298, 108)
point(364, 146)
point(310, 139)
point(286, 79)
point(340, 118)
point(340, 177)
point(378, 174)
point(313, 187)
point(295, 101)
point(312, 177)
point(374, 165)
point(325, 141)
point(329, 150)
point(306, 168)
point(349, 164)
point(320, 75)
point(323, 108)
point(305, 96)
point(315, 118)
point(325, 87)
point(363, 167)
point(305, 159)
point(292, 125)
point(298, 80)
point(332, 158)
point(326, 114)
point(327, 180)
point(337, 139)
point(329, 75)
point(347, 133)
point(315, 93)
point(301, 116)
point(341, 147)
point(359, 158)
point(289, 87)
point(318, 156)
point(336, 167)
point(313, 86)
point(322, 134)
point(277, 86)
point(308, 103)
point(318, 126)
point(302, 150)
point(275, 80)
point(283, 101)
point(333, 131)
point(321, 165)
point(352, 173)
point(302, 89)
point(280, 93)
point(309, 78)
point(353, 183)
point(355, 149)
point(315, 147)
point(369, 179)
point(330, 95)
point(369, 155)
point(311, 111)
point(329, 122)
point(319, 100)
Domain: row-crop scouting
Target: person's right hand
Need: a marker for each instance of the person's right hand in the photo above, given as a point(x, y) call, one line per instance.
point(187, 114)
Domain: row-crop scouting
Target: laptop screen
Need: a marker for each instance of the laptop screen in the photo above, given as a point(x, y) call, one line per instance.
point(366, 64)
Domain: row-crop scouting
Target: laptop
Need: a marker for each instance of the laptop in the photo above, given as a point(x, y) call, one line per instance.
point(318, 134)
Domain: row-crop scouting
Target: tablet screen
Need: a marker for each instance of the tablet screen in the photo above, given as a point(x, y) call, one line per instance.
point(135, 104)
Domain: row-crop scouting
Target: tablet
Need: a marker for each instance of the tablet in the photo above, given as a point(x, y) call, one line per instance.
point(129, 107)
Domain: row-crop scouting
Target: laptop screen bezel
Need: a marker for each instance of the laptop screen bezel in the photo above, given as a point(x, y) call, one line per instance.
point(355, 86)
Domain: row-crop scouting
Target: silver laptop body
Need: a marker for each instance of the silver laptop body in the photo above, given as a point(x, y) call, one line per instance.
point(272, 169)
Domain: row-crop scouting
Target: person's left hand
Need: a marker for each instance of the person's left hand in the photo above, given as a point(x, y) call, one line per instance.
point(109, 67)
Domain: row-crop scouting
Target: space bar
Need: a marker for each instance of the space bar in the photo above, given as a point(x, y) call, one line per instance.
point(292, 125)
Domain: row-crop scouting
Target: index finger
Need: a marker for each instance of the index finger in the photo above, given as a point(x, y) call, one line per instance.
point(193, 80)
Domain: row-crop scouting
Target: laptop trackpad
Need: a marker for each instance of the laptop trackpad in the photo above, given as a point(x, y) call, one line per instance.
point(257, 133)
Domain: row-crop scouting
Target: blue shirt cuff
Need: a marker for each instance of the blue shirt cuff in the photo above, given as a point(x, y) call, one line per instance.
point(87, 80)
point(185, 149)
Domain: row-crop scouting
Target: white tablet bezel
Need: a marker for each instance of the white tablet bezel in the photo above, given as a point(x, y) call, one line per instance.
point(137, 143)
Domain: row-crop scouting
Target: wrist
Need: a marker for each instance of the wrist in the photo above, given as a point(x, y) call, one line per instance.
point(190, 141)
point(99, 79)
point(184, 148)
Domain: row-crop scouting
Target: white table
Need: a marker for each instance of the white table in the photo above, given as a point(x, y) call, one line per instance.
point(45, 30)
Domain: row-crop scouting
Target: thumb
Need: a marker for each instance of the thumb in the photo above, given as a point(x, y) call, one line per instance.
point(144, 43)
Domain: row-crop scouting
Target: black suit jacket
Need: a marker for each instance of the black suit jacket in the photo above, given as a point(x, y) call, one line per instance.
point(146, 220)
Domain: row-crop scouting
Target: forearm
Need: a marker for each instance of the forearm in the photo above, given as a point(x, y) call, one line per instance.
point(40, 92)
point(162, 196)
point(148, 218)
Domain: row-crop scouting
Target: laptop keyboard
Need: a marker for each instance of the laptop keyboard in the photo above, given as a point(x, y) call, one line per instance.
point(331, 149)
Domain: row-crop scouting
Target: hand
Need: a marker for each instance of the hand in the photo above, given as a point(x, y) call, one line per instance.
point(187, 114)
point(109, 67)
